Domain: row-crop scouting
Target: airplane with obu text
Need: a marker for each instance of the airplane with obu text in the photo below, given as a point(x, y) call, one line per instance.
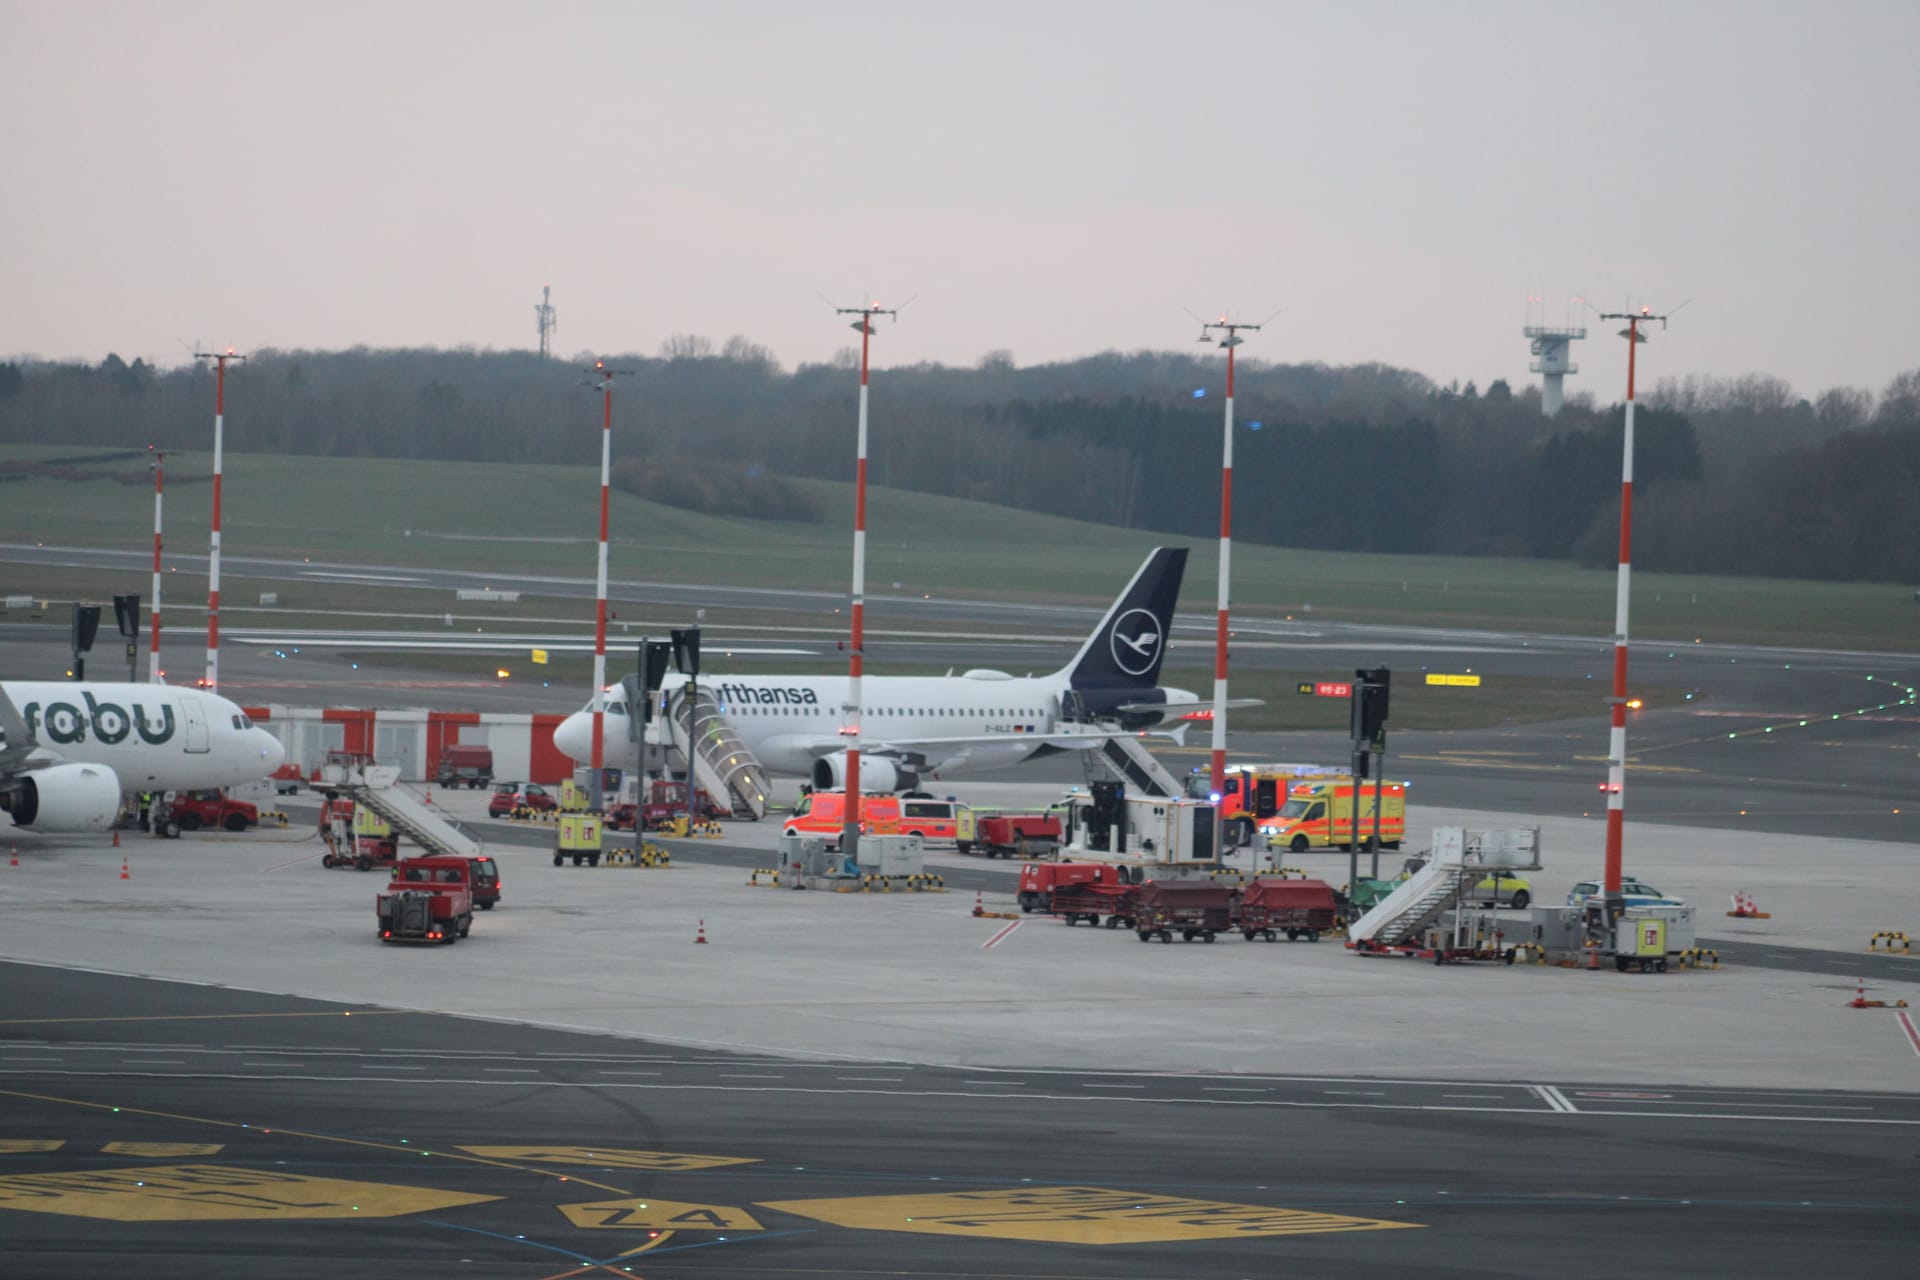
point(915, 726)
point(69, 751)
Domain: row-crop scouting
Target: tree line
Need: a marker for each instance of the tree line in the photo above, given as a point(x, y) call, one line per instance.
point(1737, 476)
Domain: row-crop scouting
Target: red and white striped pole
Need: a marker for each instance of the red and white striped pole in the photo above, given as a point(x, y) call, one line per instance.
point(1231, 340)
point(1617, 737)
point(850, 827)
point(153, 660)
point(213, 558)
point(600, 590)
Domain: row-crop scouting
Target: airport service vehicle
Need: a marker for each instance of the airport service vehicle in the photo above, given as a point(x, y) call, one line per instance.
point(429, 900)
point(1105, 824)
point(1502, 889)
point(823, 814)
point(1267, 907)
point(930, 819)
point(1040, 880)
point(485, 877)
point(355, 836)
point(1091, 902)
point(70, 750)
point(1007, 835)
point(464, 766)
point(509, 796)
point(1319, 815)
point(914, 726)
point(193, 810)
point(1637, 894)
point(286, 780)
point(1252, 795)
point(1196, 908)
point(666, 800)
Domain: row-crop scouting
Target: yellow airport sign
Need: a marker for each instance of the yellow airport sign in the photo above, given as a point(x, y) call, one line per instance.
point(1458, 681)
point(216, 1193)
point(658, 1215)
point(1074, 1215)
point(607, 1158)
point(540, 657)
point(22, 1146)
point(163, 1150)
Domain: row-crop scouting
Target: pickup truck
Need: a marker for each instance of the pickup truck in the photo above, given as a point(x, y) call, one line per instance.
point(429, 900)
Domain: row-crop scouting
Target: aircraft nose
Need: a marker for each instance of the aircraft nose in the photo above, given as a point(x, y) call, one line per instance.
point(571, 736)
point(272, 754)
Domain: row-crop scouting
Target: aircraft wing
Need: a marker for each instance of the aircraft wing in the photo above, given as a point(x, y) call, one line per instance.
point(1201, 704)
point(918, 746)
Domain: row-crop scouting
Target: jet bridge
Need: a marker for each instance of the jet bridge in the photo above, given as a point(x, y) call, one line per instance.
point(378, 788)
point(722, 763)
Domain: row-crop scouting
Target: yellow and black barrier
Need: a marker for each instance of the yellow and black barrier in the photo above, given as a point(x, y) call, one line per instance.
point(1898, 943)
point(770, 872)
point(1699, 958)
point(524, 814)
point(1227, 873)
point(708, 829)
point(278, 818)
point(646, 856)
point(926, 883)
point(1529, 953)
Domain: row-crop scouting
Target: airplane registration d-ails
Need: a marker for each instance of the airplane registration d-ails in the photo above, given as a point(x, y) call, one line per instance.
point(69, 751)
point(913, 726)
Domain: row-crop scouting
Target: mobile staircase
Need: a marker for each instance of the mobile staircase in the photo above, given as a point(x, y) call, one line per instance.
point(378, 788)
point(722, 764)
point(1397, 924)
point(1126, 757)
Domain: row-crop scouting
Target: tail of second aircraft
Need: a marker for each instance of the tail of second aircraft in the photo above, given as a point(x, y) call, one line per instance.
point(1125, 651)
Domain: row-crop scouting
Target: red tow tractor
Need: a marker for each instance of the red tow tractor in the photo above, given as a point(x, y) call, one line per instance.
point(429, 900)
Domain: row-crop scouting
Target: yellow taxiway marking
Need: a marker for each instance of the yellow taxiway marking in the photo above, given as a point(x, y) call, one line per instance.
point(606, 1158)
point(216, 1193)
point(207, 1017)
point(1074, 1215)
point(659, 1215)
point(163, 1150)
point(19, 1146)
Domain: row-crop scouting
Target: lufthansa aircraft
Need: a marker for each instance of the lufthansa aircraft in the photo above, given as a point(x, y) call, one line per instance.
point(68, 751)
point(912, 726)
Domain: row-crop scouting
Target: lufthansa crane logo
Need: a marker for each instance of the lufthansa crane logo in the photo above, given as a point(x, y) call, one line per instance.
point(1136, 642)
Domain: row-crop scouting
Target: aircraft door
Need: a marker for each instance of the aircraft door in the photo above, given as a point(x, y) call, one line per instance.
point(194, 716)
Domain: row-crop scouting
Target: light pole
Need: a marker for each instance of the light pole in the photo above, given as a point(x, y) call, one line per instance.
point(850, 829)
point(153, 661)
point(1616, 904)
point(1230, 338)
point(213, 559)
point(605, 377)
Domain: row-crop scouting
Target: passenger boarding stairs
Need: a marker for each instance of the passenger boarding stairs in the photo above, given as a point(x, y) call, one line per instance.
point(1437, 887)
point(378, 788)
point(1126, 757)
point(722, 764)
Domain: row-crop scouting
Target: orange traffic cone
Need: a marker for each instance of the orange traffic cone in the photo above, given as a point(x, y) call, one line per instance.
point(14, 861)
point(1593, 956)
point(116, 837)
point(979, 908)
point(124, 875)
point(702, 935)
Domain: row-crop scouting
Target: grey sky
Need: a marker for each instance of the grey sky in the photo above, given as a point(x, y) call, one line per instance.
point(1053, 178)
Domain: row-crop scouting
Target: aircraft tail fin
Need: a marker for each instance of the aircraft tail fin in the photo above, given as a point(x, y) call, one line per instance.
point(1128, 647)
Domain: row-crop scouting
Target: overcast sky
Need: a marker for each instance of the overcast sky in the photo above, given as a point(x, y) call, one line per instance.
point(1054, 178)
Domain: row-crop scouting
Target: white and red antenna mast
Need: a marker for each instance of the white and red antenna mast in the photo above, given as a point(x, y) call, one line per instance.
point(605, 377)
point(153, 661)
point(850, 831)
point(1616, 905)
point(1229, 331)
point(213, 559)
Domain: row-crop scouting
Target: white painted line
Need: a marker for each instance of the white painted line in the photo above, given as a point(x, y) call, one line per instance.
point(995, 940)
point(1018, 1084)
point(1553, 1098)
point(1906, 1025)
point(1482, 1097)
point(154, 1062)
point(513, 1071)
point(726, 1075)
point(388, 1066)
point(871, 1079)
point(273, 1064)
point(1115, 1086)
point(629, 1073)
point(1227, 1088)
point(1689, 1102)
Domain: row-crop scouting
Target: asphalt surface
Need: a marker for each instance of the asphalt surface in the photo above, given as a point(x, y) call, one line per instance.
point(178, 1131)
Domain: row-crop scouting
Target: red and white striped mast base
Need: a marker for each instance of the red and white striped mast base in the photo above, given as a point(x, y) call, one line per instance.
point(605, 377)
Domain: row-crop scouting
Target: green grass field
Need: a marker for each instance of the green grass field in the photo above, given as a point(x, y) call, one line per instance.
point(479, 516)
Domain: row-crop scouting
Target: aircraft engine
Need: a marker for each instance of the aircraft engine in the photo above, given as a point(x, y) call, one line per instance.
point(879, 775)
point(65, 797)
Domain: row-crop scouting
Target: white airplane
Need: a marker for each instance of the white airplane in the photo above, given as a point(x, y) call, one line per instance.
point(912, 726)
point(68, 751)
